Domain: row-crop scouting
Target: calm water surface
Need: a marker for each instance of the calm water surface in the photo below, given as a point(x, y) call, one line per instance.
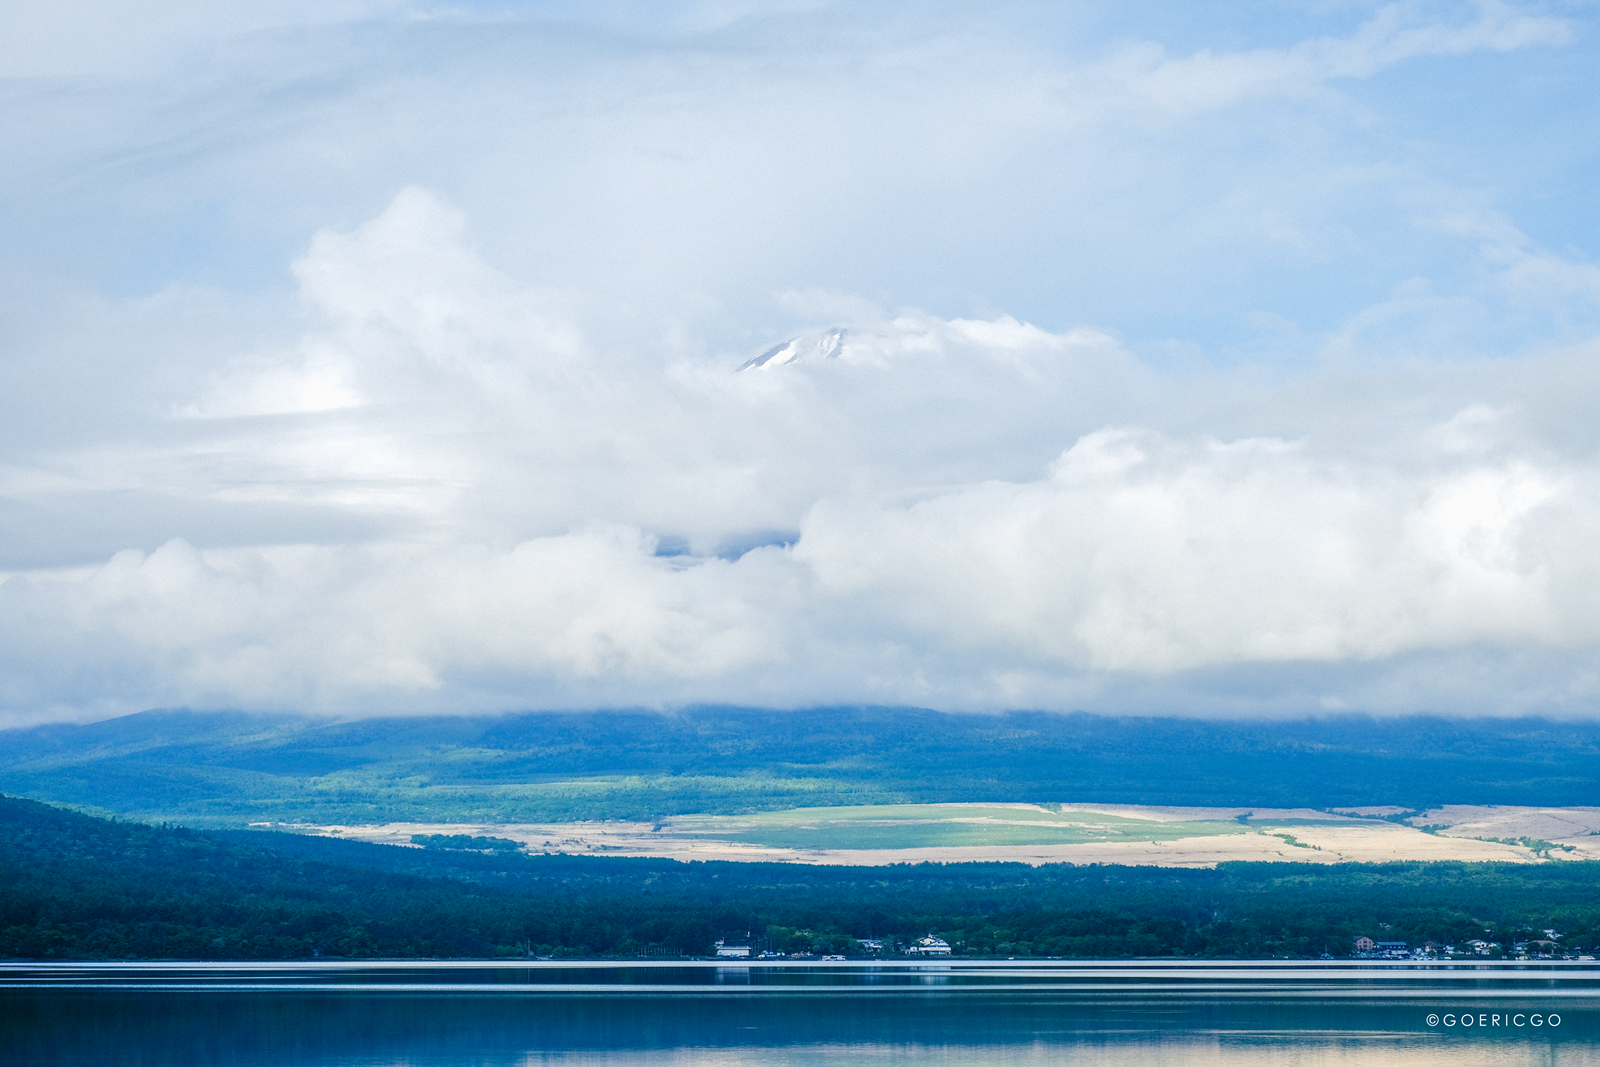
point(455, 1015)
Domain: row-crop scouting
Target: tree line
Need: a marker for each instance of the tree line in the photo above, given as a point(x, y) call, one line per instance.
point(77, 887)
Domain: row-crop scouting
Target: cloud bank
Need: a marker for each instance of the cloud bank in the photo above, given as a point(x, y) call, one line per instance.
point(470, 458)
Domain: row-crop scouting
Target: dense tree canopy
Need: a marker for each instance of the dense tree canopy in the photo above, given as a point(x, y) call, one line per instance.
point(74, 886)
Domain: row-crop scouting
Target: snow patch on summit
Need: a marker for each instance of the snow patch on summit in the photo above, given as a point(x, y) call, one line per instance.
point(825, 345)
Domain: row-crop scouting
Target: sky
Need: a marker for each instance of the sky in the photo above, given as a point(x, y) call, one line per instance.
point(371, 357)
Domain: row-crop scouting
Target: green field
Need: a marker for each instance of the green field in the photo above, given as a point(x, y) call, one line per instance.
point(884, 826)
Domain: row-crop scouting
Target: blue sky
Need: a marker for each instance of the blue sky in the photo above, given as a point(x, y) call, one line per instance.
point(381, 356)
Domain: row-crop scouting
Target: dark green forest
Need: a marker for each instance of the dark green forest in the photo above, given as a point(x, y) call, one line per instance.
point(78, 887)
point(229, 769)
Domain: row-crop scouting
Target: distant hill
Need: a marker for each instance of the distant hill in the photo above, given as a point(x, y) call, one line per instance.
point(73, 887)
point(228, 769)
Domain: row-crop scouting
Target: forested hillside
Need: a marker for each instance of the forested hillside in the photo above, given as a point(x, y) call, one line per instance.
point(73, 886)
point(230, 769)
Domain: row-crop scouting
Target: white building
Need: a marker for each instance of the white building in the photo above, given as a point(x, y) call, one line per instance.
point(929, 946)
point(728, 950)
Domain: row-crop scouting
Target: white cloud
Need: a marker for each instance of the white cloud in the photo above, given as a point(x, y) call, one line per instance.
point(1137, 555)
point(121, 37)
point(935, 547)
point(1147, 555)
point(488, 448)
point(1208, 79)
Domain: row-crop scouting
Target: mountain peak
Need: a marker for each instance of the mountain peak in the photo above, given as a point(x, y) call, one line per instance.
point(825, 345)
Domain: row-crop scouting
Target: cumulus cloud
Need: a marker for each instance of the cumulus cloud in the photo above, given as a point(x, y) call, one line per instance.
point(1135, 554)
point(492, 447)
point(1140, 553)
point(879, 515)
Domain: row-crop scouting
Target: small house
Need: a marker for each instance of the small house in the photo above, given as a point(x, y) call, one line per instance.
point(733, 948)
point(929, 946)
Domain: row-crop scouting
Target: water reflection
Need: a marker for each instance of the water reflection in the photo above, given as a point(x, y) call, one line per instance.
point(444, 1015)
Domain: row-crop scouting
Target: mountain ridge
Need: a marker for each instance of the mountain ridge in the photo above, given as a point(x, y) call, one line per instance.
point(231, 768)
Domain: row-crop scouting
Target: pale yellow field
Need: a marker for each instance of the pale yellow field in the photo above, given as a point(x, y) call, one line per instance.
point(1035, 834)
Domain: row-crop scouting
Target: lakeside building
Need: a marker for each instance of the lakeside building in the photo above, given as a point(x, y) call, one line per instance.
point(734, 948)
point(1365, 946)
point(929, 946)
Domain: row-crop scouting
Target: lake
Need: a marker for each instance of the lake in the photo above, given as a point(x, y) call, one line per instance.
point(1106, 1014)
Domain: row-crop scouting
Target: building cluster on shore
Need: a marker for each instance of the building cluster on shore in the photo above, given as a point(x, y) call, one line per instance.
point(1548, 947)
point(736, 947)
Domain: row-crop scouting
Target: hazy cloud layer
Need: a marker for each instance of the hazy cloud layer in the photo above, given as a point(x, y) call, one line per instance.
point(1136, 365)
